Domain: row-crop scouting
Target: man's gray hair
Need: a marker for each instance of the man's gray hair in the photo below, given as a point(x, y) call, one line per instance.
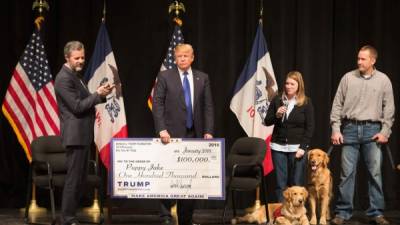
point(71, 46)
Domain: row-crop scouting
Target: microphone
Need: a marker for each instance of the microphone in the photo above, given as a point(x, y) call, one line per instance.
point(285, 102)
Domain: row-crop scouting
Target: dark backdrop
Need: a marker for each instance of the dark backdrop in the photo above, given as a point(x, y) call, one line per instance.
point(318, 38)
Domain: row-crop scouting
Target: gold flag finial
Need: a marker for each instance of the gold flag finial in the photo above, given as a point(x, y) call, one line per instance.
point(176, 7)
point(40, 4)
point(38, 21)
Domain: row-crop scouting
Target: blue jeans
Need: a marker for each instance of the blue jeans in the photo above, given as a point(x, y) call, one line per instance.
point(289, 171)
point(357, 139)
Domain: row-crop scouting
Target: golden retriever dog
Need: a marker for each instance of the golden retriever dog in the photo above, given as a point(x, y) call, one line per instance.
point(293, 211)
point(319, 185)
point(257, 216)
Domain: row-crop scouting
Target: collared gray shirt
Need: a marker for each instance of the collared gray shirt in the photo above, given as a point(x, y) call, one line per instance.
point(360, 98)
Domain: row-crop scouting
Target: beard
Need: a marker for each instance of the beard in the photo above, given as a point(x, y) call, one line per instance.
point(77, 67)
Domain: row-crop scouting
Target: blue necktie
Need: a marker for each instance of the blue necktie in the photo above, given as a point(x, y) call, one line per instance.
point(188, 101)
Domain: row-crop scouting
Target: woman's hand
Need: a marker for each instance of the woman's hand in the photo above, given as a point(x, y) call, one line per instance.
point(300, 152)
point(281, 111)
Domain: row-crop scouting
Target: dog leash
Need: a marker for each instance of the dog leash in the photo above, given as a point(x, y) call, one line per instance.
point(390, 156)
point(330, 149)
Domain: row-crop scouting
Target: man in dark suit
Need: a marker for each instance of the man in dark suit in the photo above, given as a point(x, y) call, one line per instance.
point(182, 108)
point(77, 114)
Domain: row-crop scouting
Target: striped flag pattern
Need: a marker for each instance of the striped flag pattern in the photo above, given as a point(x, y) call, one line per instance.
point(30, 104)
point(255, 88)
point(110, 117)
point(169, 61)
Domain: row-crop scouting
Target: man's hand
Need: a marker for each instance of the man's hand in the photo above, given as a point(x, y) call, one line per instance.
point(380, 138)
point(337, 138)
point(208, 136)
point(165, 137)
point(104, 89)
point(109, 86)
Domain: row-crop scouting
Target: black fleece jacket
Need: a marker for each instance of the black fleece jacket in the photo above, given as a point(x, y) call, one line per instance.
point(297, 129)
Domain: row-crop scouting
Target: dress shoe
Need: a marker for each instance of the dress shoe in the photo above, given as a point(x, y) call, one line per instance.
point(337, 220)
point(167, 221)
point(379, 220)
point(72, 223)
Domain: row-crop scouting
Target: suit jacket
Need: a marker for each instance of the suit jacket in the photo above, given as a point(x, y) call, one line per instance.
point(76, 108)
point(169, 109)
point(298, 128)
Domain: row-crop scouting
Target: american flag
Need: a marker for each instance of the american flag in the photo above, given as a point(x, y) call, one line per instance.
point(30, 105)
point(169, 61)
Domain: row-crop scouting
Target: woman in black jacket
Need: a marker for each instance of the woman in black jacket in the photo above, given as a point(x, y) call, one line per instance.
point(292, 115)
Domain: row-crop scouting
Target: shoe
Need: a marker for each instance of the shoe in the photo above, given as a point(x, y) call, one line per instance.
point(167, 221)
point(380, 220)
point(70, 223)
point(337, 220)
point(74, 222)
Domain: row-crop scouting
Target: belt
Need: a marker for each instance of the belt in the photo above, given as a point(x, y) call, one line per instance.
point(360, 122)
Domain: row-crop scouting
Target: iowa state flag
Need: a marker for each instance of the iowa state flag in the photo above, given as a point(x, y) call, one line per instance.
point(253, 92)
point(110, 116)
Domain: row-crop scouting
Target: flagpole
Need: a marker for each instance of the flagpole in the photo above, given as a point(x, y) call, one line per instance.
point(261, 11)
point(257, 203)
point(103, 19)
point(175, 7)
point(40, 5)
point(95, 207)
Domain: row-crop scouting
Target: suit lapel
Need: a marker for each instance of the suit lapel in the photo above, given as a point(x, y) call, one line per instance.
point(196, 88)
point(78, 82)
point(178, 83)
point(82, 86)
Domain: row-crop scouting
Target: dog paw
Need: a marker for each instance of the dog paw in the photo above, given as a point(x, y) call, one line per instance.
point(313, 221)
point(234, 221)
point(322, 221)
point(280, 220)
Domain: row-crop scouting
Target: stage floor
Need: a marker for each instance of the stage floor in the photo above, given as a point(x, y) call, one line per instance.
point(15, 217)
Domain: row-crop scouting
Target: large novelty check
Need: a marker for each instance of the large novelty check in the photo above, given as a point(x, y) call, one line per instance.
point(182, 169)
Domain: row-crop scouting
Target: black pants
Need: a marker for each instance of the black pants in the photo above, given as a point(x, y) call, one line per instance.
point(77, 164)
point(185, 207)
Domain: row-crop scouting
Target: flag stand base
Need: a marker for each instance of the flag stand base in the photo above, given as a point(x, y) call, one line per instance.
point(174, 214)
point(95, 208)
point(34, 208)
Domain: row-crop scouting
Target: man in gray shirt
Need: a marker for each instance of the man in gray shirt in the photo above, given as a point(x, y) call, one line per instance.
point(364, 108)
